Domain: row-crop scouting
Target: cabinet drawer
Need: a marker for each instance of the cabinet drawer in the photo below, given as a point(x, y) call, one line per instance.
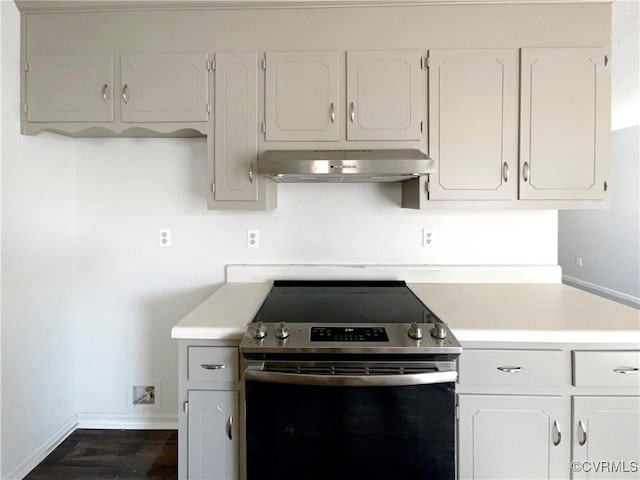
point(213, 364)
point(606, 368)
point(511, 367)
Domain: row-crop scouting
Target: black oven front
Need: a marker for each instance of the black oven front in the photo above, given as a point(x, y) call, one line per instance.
point(350, 419)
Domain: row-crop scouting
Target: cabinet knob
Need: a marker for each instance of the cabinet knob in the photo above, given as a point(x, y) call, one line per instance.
point(213, 366)
point(505, 172)
point(557, 434)
point(582, 433)
point(332, 112)
point(125, 93)
point(510, 369)
point(251, 173)
point(230, 427)
point(626, 370)
point(105, 93)
point(352, 112)
point(525, 171)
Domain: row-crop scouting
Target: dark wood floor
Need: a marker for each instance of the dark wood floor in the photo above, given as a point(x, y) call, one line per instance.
point(112, 454)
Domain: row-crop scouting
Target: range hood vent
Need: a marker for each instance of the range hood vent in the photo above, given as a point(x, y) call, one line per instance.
point(347, 166)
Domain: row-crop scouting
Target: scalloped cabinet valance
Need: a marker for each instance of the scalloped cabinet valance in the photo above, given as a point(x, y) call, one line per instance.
point(510, 98)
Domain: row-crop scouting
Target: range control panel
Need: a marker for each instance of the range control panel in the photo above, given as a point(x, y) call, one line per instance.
point(349, 334)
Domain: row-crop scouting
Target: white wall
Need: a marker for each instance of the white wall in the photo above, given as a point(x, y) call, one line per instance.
point(38, 275)
point(89, 297)
point(608, 241)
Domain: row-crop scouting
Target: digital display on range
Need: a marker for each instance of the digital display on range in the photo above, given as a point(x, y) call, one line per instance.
point(349, 334)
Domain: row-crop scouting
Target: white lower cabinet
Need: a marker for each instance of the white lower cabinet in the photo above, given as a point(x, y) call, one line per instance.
point(509, 437)
point(606, 437)
point(212, 435)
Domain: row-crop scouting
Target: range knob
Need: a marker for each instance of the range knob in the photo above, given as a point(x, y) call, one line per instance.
point(260, 331)
point(282, 331)
point(415, 331)
point(438, 331)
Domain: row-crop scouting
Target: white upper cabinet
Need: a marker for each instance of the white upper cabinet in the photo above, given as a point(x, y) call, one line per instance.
point(236, 126)
point(301, 99)
point(564, 123)
point(473, 124)
point(69, 88)
point(383, 95)
point(164, 88)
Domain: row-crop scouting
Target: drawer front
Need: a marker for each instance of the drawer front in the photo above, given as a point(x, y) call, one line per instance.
point(511, 367)
point(213, 364)
point(606, 368)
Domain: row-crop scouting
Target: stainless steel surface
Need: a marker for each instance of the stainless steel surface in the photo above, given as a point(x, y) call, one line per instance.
point(439, 331)
point(282, 331)
point(230, 427)
point(505, 171)
point(125, 93)
point(525, 172)
point(626, 370)
point(352, 112)
point(332, 112)
point(510, 369)
point(105, 93)
point(251, 173)
point(256, 373)
point(213, 366)
point(582, 433)
point(557, 434)
point(299, 341)
point(415, 331)
point(370, 166)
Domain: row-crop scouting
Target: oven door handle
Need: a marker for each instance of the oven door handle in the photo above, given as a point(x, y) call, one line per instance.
point(256, 374)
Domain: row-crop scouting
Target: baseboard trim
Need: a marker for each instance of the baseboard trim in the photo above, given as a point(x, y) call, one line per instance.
point(122, 421)
point(605, 292)
point(48, 446)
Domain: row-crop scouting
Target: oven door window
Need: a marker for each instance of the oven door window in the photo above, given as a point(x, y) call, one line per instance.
point(302, 432)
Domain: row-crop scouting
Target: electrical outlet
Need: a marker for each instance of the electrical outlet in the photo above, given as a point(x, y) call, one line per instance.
point(579, 261)
point(428, 237)
point(144, 395)
point(164, 237)
point(253, 238)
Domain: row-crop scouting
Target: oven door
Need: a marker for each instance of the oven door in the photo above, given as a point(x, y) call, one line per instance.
point(343, 426)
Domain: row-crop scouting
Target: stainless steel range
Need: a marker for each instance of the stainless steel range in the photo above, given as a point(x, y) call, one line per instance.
point(348, 380)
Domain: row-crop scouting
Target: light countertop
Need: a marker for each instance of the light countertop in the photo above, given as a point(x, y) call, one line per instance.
point(474, 312)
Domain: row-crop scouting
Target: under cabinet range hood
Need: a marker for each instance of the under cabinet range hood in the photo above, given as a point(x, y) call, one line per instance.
point(346, 166)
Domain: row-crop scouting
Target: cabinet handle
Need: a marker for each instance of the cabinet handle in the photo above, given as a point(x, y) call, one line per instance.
point(251, 173)
point(557, 434)
point(505, 171)
point(626, 370)
point(230, 427)
point(105, 93)
point(213, 366)
point(125, 93)
point(352, 112)
point(582, 433)
point(332, 112)
point(525, 172)
point(510, 369)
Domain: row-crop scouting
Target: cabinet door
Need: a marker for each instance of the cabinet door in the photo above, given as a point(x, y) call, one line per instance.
point(164, 88)
point(565, 124)
point(236, 126)
point(473, 124)
point(69, 88)
point(507, 437)
point(302, 96)
point(606, 429)
point(383, 95)
point(212, 435)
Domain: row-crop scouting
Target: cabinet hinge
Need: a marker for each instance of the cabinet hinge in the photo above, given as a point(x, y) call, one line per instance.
point(264, 127)
point(213, 187)
point(26, 66)
point(264, 63)
point(185, 406)
point(26, 109)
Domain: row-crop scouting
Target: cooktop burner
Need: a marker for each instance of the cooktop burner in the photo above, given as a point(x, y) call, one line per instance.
point(351, 302)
